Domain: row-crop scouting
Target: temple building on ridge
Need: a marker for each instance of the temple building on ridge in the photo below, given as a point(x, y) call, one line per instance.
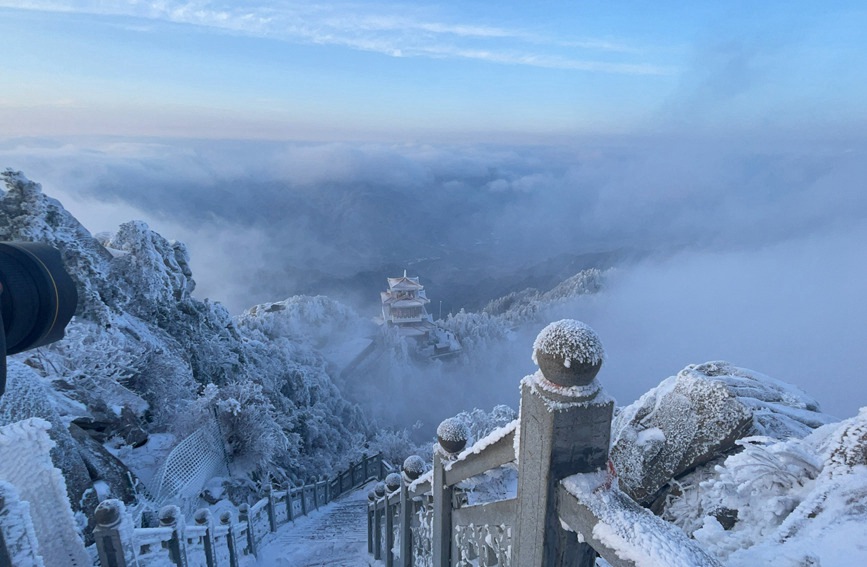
point(403, 309)
point(403, 306)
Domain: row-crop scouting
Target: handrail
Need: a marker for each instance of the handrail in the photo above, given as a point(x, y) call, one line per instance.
point(205, 543)
point(568, 507)
point(621, 531)
point(489, 455)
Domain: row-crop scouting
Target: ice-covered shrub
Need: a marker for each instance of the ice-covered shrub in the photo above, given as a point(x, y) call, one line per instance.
point(249, 425)
point(748, 496)
point(480, 423)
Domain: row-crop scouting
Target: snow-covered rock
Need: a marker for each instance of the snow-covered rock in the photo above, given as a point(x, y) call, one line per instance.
point(27, 214)
point(696, 417)
point(791, 503)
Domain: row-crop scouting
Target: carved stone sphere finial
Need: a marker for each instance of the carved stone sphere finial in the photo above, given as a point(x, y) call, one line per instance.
point(413, 467)
point(226, 517)
point(108, 513)
point(379, 490)
point(202, 516)
point(452, 435)
point(169, 515)
point(569, 353)
point(392, 481)
point(371, 495)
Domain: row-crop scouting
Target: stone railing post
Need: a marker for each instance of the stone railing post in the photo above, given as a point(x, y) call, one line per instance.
point(271, 506)
point(226, 520)
point(245, 516)
point(303, 492)
point(393, 483)
point(371, 519)
point(343, 486)
point(204, 517)
point(413, 467)
point(113, 535)
point(452, 437)
point(290, 509)
point(379, 491)
point(565, 429)
point(171, 517)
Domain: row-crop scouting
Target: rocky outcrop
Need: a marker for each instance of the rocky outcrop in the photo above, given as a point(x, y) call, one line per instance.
point(695, 417)
point(26, 214)
point(141, 351)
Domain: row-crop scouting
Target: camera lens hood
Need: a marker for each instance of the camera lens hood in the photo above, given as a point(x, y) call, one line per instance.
point(37, 299)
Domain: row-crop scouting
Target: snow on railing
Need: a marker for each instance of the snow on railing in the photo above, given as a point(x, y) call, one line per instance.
point(211, 543)
point(35, 492)
point(568, 507)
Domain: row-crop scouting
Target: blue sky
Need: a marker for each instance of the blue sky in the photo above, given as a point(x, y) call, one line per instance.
point(406, 71)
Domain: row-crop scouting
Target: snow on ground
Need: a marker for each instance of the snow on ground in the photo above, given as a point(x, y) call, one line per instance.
point(333, 536)
point(144, 461)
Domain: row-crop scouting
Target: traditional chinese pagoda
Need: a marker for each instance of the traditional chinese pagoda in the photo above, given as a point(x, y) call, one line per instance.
point(403, 306)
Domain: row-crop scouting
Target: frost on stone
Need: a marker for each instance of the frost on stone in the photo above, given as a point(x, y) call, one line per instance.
point(453, 430)
point(393, 480)
point(804, 500)
point(570, 340)
point(414, 466)
point(697, 417)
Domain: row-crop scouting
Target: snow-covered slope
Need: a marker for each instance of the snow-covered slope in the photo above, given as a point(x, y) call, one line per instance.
point(142, 354)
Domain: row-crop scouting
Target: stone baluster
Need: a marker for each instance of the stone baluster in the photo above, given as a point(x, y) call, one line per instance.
point(393, 483)
point(290, 509)
point(113, 535)
point(272, 508)
point(452, 437)
point(371, 513)
point(413, 467)
point(564, 430)
point(245, 516)
point(171, 517)
point(379, 492)
point(226, 520)
point(203, 517)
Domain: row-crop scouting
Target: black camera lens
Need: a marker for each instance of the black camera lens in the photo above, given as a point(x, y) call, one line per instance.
point(38, 297)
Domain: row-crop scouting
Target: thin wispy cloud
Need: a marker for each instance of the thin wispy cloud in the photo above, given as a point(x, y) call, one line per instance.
point(392, 30)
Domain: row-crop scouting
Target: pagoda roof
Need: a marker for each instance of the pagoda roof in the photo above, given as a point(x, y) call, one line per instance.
point(415, 302)
point(388, 299)
point(404, 283)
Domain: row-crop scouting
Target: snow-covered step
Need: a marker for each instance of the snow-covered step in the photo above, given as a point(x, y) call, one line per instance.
point(333, 536)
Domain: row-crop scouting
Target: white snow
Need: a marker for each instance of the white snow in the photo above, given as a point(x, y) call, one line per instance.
point(453, 430)
point(414, 464)
point(651, 435)
point(26, 464)
point(570, 340)
point(632, 532)
point(567, 397)
point(484, 442)
point(333, 536)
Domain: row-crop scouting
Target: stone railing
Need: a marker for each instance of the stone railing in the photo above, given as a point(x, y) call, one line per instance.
point(223, 541)
point(567, 507)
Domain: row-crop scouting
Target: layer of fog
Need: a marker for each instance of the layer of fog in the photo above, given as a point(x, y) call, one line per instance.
point(266, 220)
point(751, 249)
point(793, 311)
